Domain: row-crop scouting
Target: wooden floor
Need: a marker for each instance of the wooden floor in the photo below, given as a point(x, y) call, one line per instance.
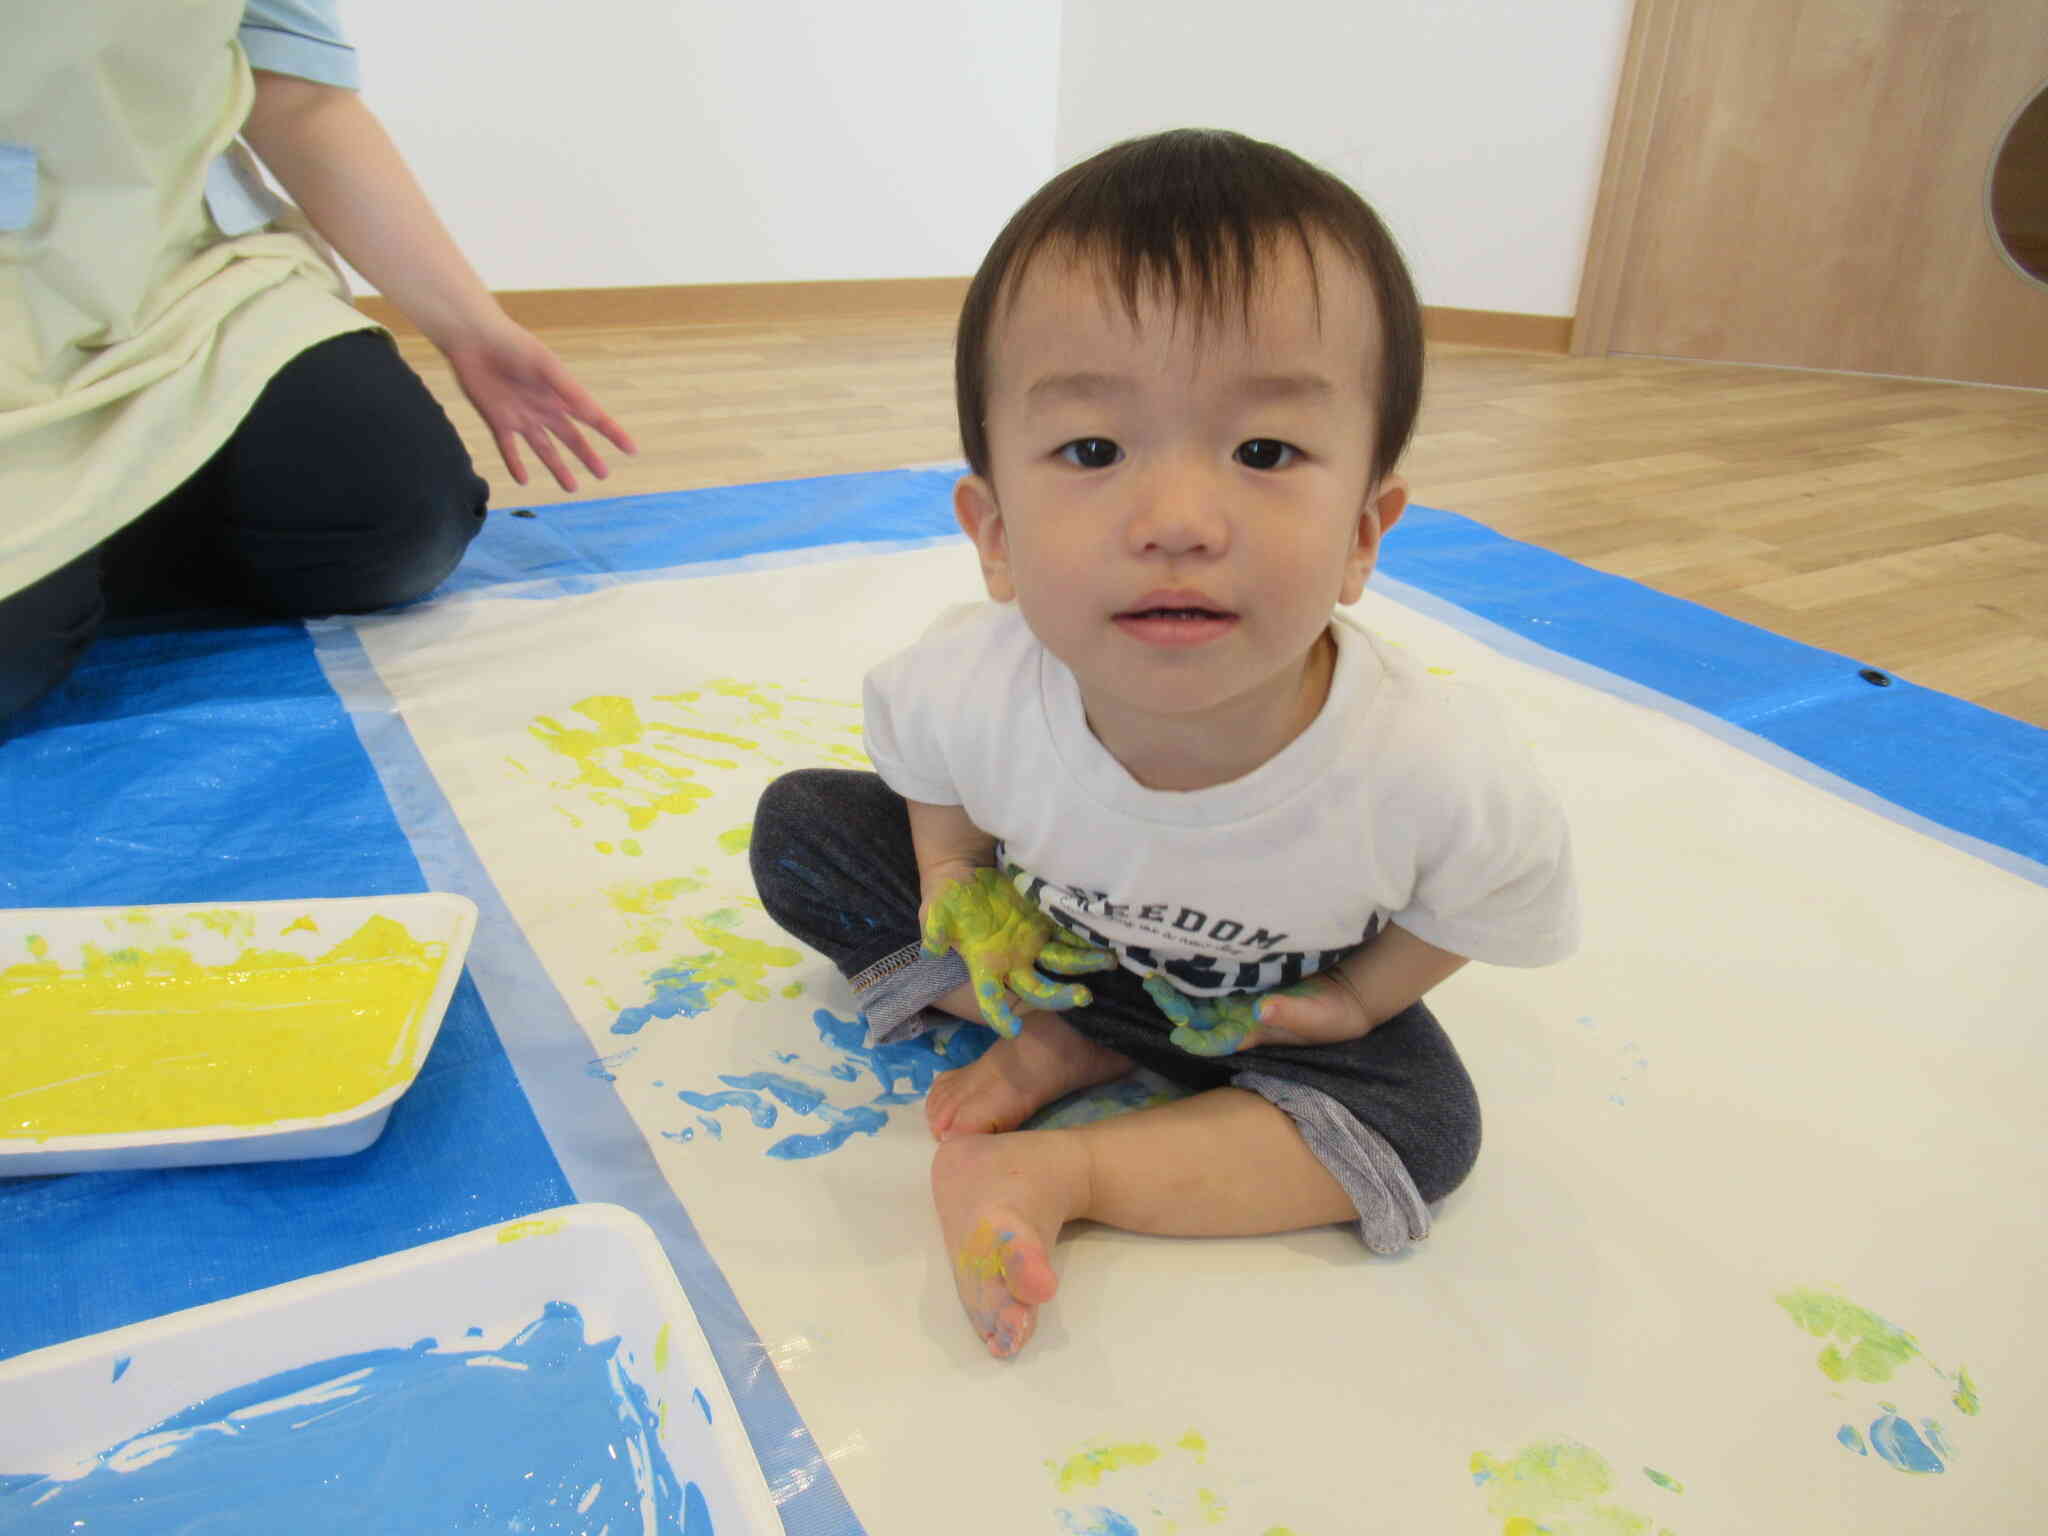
point(1899, 522)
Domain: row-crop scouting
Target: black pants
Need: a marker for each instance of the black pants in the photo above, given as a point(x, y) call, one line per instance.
point(833, 863)
point(344, 489)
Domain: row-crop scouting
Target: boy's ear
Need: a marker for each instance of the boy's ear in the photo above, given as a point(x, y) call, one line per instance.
point(974, 505)
point(1383, 507)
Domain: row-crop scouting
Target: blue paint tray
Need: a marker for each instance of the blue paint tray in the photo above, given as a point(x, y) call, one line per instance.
point(353, 1383)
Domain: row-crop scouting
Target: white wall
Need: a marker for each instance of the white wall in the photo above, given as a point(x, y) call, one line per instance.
point(625, 142)
point(1475, 127)
point(615, 143)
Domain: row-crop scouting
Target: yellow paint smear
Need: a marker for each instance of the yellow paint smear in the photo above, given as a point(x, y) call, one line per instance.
point(151, 1040)
point(1085, 1469)
point(533, 1226)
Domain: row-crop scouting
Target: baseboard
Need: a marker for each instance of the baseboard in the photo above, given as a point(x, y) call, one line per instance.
point(1498, 328)
point(755, 303)
point(710, 303)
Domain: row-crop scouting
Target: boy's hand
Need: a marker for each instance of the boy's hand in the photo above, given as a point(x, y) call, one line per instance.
point(1003, 938)
point(1319, 1011)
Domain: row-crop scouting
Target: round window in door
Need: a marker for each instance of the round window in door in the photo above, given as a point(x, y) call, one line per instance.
point(2017, 195)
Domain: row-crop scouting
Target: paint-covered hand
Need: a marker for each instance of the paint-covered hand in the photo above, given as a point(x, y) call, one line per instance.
point(1319, 1011)
point(1004, 939)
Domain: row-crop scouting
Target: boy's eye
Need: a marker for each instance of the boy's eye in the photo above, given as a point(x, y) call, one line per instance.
point(1265, 453)
point(1091, 452)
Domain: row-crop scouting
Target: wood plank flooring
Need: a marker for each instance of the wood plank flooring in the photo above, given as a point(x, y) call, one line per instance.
point(1901, 522)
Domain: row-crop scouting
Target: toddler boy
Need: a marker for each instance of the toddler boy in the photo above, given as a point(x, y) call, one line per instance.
point(1185, 373)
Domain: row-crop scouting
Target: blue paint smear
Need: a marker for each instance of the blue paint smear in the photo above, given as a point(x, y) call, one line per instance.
point(801, 1097)
point(1852, 1439)
point(601, 1068)
point(547, 1435)
point(696, 1514)
point(844, 1124)
point(703, 1403)
point(1898, 1442)
point(716, 1128)
point(760, 1110)
point(904, 1072)
point(121, 1364)
point(677, 994)
point(1097, 1521)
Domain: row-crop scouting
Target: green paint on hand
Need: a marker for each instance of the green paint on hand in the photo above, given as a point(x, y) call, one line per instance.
point(1001, 935)
point(1875, 1347)
point(1085, 1469)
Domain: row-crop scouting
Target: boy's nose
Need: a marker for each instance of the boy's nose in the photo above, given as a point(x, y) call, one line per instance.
point(1178, 510)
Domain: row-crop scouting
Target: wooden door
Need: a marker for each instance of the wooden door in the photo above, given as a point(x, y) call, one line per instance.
point(1803, 182)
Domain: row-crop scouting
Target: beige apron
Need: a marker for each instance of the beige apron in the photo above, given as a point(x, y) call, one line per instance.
point(135, 333)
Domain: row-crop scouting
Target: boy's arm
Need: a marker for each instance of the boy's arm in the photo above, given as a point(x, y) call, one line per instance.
point(332, 155)
point(1385, 975)
point(1379, 979)
point(948, 846)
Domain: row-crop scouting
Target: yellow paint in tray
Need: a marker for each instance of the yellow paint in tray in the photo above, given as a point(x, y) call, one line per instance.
point(149, 1039)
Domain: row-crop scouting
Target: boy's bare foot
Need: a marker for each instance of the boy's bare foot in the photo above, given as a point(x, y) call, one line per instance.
point(1014, 1077)
point(1002, 1201)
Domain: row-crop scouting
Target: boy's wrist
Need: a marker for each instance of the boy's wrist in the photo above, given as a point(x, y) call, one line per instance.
point(1354, 998)
point(933, 878)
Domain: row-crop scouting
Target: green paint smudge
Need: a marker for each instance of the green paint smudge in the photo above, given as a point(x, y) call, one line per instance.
point(1193, 1443)
point(1876, 1348)
point(1663, 1480)
point(734, 962)
point(1555, 1488)
point(1965, 1396)
point(736, 839)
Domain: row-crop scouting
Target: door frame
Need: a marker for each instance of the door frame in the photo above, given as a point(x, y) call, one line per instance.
point(1644, 66)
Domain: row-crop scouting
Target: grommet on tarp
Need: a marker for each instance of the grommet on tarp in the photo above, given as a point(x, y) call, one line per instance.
point(522, 512)
point(1875, 678)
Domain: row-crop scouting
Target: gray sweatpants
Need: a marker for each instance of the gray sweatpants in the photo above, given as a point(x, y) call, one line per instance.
point(1393, 1115)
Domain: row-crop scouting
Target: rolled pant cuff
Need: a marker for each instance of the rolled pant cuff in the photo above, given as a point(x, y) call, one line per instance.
point(1391, 1211)
point(896, 990)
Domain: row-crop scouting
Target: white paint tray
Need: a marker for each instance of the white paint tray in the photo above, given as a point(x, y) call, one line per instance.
point(61, 1407)
point(213, 935)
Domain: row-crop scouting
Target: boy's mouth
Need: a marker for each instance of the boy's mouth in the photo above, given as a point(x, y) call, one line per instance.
point(1174, 618)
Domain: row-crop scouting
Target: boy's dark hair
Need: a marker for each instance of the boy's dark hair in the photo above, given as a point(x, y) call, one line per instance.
point(1193, 210)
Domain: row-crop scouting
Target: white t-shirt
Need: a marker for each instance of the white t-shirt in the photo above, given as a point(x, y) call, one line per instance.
point(1406, 800)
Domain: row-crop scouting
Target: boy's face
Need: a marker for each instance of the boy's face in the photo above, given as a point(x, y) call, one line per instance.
point(1177, 508)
